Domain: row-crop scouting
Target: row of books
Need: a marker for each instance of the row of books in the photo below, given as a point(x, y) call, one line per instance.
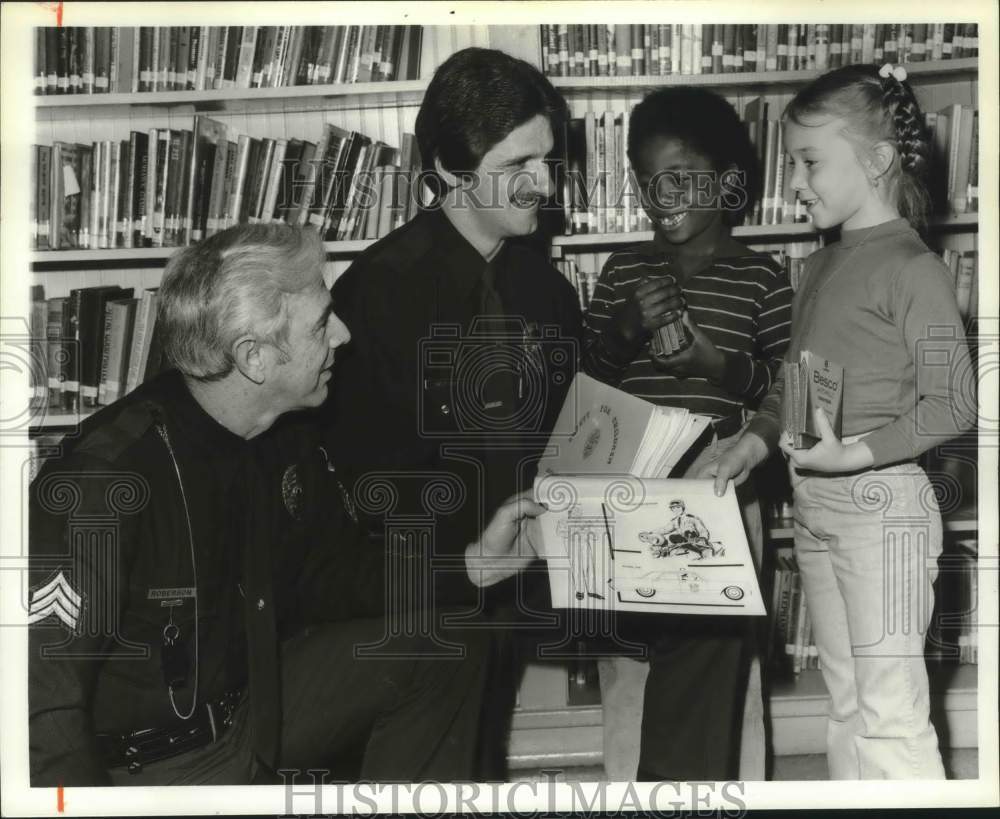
point(88, 60)
point(793, 646)
point(171, 187)
point(92, 347)
point(964, 267)
point(954, 632)
point(637, 50)
point(599, 191)
point(954, 173)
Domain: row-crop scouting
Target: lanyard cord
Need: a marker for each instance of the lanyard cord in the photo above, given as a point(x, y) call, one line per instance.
point(162, 430)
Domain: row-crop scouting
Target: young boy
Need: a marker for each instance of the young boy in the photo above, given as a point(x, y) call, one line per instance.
point(696, 171)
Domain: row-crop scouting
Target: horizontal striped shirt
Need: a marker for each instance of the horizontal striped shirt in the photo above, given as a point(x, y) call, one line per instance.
point(742, 303)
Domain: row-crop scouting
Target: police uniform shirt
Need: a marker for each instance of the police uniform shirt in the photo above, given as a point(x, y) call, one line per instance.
point(410, 302)
point(112, 567)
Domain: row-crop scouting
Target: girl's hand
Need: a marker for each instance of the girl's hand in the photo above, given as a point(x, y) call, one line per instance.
point(736, 464)
point(651, 305)
point(701, 358)
point(828, 454)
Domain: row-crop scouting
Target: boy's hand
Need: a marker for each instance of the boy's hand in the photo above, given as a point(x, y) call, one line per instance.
point(828, 454)
point(736, 464)
point(701, 358)
point(505, 545)
point(651, 305)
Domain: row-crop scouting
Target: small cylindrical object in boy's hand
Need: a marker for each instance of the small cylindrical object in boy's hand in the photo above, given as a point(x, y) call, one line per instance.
point(671, 337)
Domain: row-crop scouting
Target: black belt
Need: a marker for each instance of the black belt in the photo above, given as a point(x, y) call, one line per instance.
point(138, 748)
point(730, 425)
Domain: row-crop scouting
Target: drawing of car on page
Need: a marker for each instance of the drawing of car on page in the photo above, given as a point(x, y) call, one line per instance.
point(672, 583)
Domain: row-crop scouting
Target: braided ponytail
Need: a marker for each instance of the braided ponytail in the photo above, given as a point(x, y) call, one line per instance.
point(913, 147)
point(876, 109)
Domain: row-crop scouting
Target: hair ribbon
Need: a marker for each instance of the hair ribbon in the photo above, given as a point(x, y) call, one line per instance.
point(898, 73)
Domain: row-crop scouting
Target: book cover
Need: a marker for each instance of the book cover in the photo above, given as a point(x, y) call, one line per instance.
point(208, 136)
point(259, 172)
point(816, 383)
point(119, 320)
point(206, 216)
point(601, 429)
point(90, 305)
point(145, 318)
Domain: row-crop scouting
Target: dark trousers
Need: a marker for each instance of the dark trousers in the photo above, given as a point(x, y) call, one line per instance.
point(404, 718)
point(692, 710)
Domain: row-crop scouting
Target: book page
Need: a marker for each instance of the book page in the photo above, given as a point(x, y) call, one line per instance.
point(619, 543)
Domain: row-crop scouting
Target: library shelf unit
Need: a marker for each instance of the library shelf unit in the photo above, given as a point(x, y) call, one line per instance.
point(547, 729)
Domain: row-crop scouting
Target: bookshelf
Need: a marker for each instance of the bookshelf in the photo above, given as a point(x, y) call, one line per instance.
point(965, 68)
point(547, 729)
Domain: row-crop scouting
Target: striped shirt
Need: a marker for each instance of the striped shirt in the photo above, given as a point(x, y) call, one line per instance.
point(742, 303)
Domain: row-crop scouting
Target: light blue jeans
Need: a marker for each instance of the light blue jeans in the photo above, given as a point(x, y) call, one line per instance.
point(867, 546)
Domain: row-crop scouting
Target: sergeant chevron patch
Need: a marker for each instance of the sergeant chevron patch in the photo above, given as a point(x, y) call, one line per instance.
point(55, 597)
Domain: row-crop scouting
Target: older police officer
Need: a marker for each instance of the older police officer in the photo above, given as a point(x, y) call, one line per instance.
point(192, 565)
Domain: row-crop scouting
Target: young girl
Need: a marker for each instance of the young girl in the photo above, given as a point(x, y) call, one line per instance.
point(867, 525)
point(695, 169)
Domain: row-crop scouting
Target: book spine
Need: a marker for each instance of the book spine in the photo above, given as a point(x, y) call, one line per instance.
point(750, 36)
point(106, 346)
point(74, 59)
point(150, 186)
point(86, 58)
point(183, 55)
point(70, 368)
point(55, 350)
point(43, 200)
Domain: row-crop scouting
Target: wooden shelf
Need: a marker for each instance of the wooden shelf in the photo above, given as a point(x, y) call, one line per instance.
point(237, 100)
point(63, 259)
point(791, 79)
point(58, 259)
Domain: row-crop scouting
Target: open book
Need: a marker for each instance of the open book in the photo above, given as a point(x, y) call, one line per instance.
point(616, 433)
point(620, 543)
point(618, 535)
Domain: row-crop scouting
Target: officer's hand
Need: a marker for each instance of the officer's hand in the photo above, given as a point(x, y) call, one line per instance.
point(701, 358)
point(651, 305)
point(505, 546)
point(737, 463)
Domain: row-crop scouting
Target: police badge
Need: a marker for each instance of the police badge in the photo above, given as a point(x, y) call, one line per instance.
point(292, 492)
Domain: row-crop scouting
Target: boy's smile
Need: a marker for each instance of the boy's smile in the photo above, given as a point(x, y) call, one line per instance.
point(678, 187)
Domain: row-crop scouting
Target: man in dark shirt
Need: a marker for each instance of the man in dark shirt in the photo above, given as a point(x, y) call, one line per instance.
point(465, 345)
point(193, 566)
point(464, 334)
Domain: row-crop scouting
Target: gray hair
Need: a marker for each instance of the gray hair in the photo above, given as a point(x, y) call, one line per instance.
point(233, 284)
